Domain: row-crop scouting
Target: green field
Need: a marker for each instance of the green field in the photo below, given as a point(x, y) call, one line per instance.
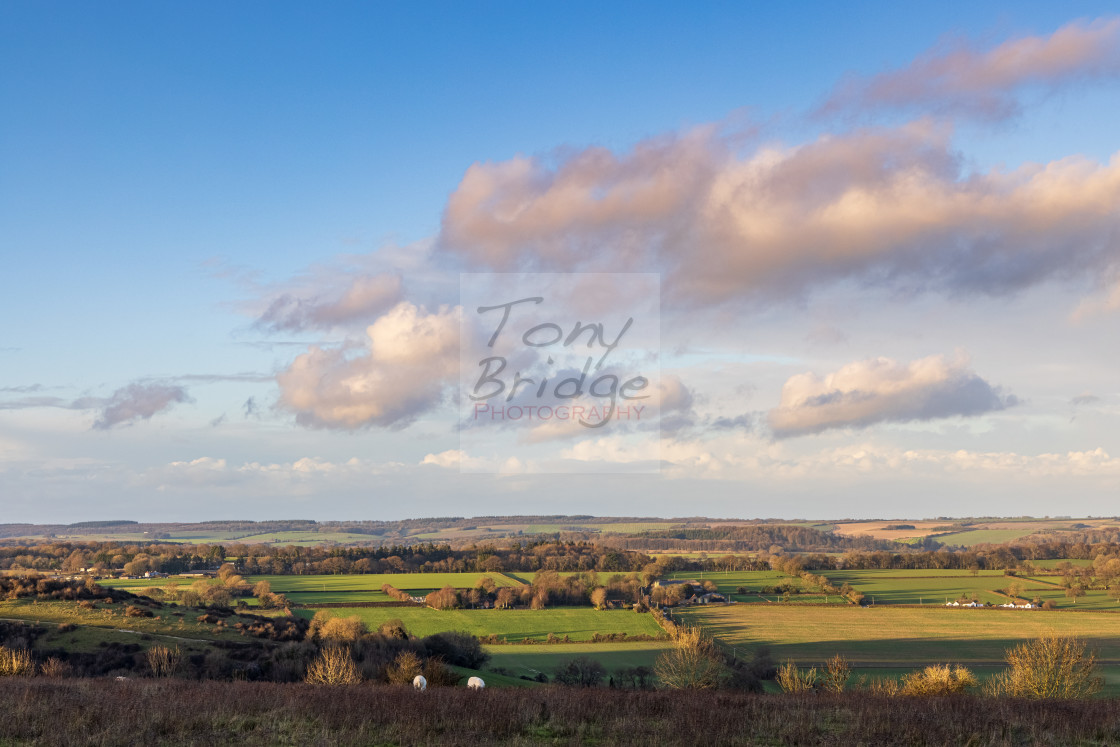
point(892, 640)
point(728, 583)
point(1054, 563)
point(374, 581)
point(892, 636)
point(529, 660)
point(580, 623)
point(110, 618)
point(973, 537)
point(929, 587)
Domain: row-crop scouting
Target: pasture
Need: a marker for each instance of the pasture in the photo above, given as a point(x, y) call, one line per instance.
point(973, 537)
point(579, 623)
point(372, 582)
point(896, 636)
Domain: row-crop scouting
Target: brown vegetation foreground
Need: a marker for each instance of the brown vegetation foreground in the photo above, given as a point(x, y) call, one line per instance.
point(168, 711)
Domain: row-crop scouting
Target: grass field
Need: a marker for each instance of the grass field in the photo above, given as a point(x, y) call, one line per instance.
point(1058, 561)
point(889, 641)
point(928, 586)
point(897, 636)
point(977, 536)
point(374, 581)
point(529, 660)
point(111, 618)
point(580, 623)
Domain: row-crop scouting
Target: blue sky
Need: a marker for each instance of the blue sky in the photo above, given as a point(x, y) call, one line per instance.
point(170, 171)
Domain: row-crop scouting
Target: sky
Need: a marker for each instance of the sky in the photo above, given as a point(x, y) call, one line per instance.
point(241, 246)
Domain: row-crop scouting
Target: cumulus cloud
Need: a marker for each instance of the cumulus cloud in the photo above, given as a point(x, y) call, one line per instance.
point(358, 299)
point(882, 390)
point(138, 401)
point(408, 359)
point(960, 79)
point(893, 206)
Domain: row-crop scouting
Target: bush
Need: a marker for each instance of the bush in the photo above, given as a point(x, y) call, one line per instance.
point(393, 629)
point(439, 674)
point(164, 661)
point(334, 666)
point(134, 611)
point(1051, 666)
point(836, 674)
point(457, 648)
point(939, 679)
point(692, 664)
point(793, 680)
point(346, 629)
point(580, 672)
point(54, 667)
point(404, 668)
point(16, 662)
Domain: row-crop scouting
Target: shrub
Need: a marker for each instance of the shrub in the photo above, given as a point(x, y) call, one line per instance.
point(692, 664)
point(836, 674)
point(1051, 666)
point(346, 629)
point(580, 672)
point(54, 667)
point(458, 648)
point(16, 662)
point(404, 668)
point(793, 680)
point(134, 611)
point(938, 679)
point(393, 629)
point(334, 666)
point(164, 661)
point(439, 674)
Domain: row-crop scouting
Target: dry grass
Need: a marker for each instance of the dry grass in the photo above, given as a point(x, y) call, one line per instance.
point(40, 711)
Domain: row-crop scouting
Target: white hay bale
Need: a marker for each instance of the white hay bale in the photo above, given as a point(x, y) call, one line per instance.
point(476, 683)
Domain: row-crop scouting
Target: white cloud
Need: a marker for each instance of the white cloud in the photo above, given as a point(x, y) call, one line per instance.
point(882, 390)
point(888, 206)
point(409, 359)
